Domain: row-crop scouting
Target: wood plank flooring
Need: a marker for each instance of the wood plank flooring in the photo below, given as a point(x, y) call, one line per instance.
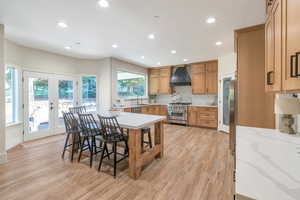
point(196, 165)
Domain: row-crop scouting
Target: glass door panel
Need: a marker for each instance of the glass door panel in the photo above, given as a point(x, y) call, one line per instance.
point(66, 98)
point(38, 105)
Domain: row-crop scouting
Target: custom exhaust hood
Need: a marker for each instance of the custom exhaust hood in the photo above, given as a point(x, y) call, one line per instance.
point(180, 77)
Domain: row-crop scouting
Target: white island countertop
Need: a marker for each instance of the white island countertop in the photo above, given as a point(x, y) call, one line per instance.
point(134, 120)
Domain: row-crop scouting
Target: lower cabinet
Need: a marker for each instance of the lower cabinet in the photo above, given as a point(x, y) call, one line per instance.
point(203, 116)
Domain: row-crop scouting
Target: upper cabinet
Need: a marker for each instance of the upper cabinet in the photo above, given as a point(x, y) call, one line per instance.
point(205, 78)
point(159, 81)
point(282, 70)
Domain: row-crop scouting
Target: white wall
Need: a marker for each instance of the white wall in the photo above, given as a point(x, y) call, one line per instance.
point(42, 61)
point(227, 66)
point(2, 98)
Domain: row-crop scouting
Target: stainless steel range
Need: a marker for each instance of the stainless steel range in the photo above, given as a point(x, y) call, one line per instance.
point(178, 113)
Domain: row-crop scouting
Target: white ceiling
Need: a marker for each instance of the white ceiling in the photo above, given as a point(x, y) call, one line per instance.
point(182, 26)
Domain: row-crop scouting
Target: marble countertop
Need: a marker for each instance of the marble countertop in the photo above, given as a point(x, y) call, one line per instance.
point(267, 164)
point(134, 120)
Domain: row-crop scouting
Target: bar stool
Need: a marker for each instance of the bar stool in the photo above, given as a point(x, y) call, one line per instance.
point(73, 130)
point(146, 130)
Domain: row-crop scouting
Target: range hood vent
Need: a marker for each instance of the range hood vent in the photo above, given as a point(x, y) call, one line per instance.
point(180, 77)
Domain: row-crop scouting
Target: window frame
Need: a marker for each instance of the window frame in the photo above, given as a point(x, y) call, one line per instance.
point(80, 91)
point(17, 109)
point(131, 72)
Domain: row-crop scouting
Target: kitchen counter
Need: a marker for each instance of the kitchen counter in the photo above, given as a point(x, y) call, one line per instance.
point(267, 164)
point(207, 106)
point(161, 104)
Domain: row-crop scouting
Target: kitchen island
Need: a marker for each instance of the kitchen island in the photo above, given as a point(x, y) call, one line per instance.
point(135, 122)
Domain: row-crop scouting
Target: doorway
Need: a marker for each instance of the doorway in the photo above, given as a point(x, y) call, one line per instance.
point(46, 96)
point(224, 102)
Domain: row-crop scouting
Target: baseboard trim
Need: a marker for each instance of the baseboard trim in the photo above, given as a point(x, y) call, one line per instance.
point(242, 197)
point(3, 158)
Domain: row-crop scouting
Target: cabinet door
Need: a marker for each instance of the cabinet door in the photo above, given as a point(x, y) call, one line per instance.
point(192, 116)
point(164, 84)
point(291, 17)
point(269, 51)
point(274, 48)
point(212, 78)
point(154, 81)
point(198, 79)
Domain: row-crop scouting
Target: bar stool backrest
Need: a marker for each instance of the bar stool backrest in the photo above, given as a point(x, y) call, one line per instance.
point(78, 110)
point(89, 125)
point(110, 126)
point(71, 123)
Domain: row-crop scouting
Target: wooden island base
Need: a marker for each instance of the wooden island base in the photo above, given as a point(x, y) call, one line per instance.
point(137, 158)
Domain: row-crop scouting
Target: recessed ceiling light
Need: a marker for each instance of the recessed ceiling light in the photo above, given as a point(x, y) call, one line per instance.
point(103, 3)
point(173, 52)
point(115, 46)
point(211, 20)
point(142, 57)
point(184, 60)
point(151, 36)
point(62, 25)
point(219, 43)
point(158, 63)
point(68, 48)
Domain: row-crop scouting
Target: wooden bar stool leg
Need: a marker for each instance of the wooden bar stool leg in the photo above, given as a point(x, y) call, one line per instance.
point(73, 146)
point(142, 141)
point(66, 144)
point(102, 155)
point(115, 158)
point(81, 149)
point(150, 139)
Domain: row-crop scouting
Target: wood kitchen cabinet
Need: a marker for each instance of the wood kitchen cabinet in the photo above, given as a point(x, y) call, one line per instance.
point(203, 116)
point(205, 78)
point(159, 81)
point(282, 70)
point(154, 81)
point(273, 48)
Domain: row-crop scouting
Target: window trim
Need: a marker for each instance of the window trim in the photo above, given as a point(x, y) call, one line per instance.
point(80, 100)
point(18, 95)
point(139, 73)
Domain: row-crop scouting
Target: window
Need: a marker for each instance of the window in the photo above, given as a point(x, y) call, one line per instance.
point(131, 85)
point(89, 92)
point(11, 89)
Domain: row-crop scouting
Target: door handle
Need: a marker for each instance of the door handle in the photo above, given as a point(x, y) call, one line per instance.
point(295, 74)
point(51, 106)
point(269, 79)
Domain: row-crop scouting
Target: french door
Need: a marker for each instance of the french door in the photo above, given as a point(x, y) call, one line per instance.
point(224, 102)
point(46, 96)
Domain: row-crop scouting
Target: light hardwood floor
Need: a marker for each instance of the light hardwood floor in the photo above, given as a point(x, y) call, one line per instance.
point(196, 165)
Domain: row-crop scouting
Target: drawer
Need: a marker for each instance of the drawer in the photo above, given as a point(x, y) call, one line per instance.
point(207, 110)
point(208, 123)
point(207, 116)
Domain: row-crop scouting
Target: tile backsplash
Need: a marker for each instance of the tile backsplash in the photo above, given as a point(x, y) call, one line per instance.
point(184, 93)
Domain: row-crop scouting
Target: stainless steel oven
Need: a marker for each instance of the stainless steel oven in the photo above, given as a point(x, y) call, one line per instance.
point(178, 113)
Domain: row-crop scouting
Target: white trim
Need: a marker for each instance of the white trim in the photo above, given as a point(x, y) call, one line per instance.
point(3, 158)
point(221, 126)
point(14, 124)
